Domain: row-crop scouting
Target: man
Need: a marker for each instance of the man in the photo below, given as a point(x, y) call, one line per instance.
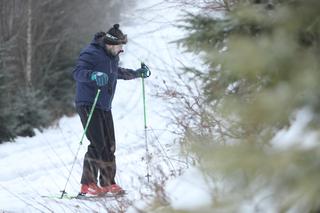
point(97, 67)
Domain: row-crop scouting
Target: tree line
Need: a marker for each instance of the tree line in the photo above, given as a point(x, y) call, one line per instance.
point(39, 42)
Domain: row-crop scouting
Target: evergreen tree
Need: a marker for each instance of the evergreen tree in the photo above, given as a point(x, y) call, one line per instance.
point(8, 121)
point(263, 59)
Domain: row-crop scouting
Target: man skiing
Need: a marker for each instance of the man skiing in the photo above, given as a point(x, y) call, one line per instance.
point(97, 68)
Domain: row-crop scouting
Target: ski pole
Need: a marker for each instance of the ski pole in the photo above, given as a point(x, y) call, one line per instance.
point(145, 118)
point(84, 133)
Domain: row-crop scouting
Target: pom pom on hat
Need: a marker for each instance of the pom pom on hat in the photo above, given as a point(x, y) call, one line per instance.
point(115, 36)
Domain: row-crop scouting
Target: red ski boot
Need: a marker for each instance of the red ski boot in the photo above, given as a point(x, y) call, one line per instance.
point(90, 189)
point(113, 189)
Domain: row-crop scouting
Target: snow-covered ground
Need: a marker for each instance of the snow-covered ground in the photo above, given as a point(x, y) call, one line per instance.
point(39, 166)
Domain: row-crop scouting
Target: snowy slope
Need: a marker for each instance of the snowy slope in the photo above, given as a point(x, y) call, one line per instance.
point(33, 167)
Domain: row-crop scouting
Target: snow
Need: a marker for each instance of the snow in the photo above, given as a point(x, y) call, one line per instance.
point(297, 134)
point(39, 166)
point(189, 191)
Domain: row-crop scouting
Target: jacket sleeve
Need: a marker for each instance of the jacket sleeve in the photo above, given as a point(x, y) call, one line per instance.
point(126, 74)
point(84, 66)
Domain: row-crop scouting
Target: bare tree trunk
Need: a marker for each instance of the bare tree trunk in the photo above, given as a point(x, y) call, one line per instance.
point(29, 44)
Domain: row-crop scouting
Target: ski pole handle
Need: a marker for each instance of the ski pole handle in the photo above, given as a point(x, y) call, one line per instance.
point(148, 73)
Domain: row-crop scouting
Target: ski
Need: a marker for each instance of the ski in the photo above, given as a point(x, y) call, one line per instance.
point(100, 197)
point(84, 197)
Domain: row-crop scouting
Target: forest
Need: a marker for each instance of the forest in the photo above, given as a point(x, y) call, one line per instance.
point(39, 43)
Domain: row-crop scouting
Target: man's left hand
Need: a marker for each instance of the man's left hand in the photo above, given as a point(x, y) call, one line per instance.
point(143, 72)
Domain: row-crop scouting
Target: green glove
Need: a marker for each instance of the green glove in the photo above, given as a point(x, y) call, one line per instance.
point(101, 78)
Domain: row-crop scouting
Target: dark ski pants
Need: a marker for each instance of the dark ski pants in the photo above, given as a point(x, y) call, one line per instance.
point(100, 156)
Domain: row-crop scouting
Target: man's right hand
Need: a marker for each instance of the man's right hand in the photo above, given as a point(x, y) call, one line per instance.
point(101, 78)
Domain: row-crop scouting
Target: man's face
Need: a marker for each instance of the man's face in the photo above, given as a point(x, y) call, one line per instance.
point(115, 49)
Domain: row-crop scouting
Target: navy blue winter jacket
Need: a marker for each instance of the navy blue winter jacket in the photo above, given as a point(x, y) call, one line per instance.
point(92, 58)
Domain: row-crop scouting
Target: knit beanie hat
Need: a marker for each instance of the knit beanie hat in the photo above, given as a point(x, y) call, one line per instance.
point(114, 36)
